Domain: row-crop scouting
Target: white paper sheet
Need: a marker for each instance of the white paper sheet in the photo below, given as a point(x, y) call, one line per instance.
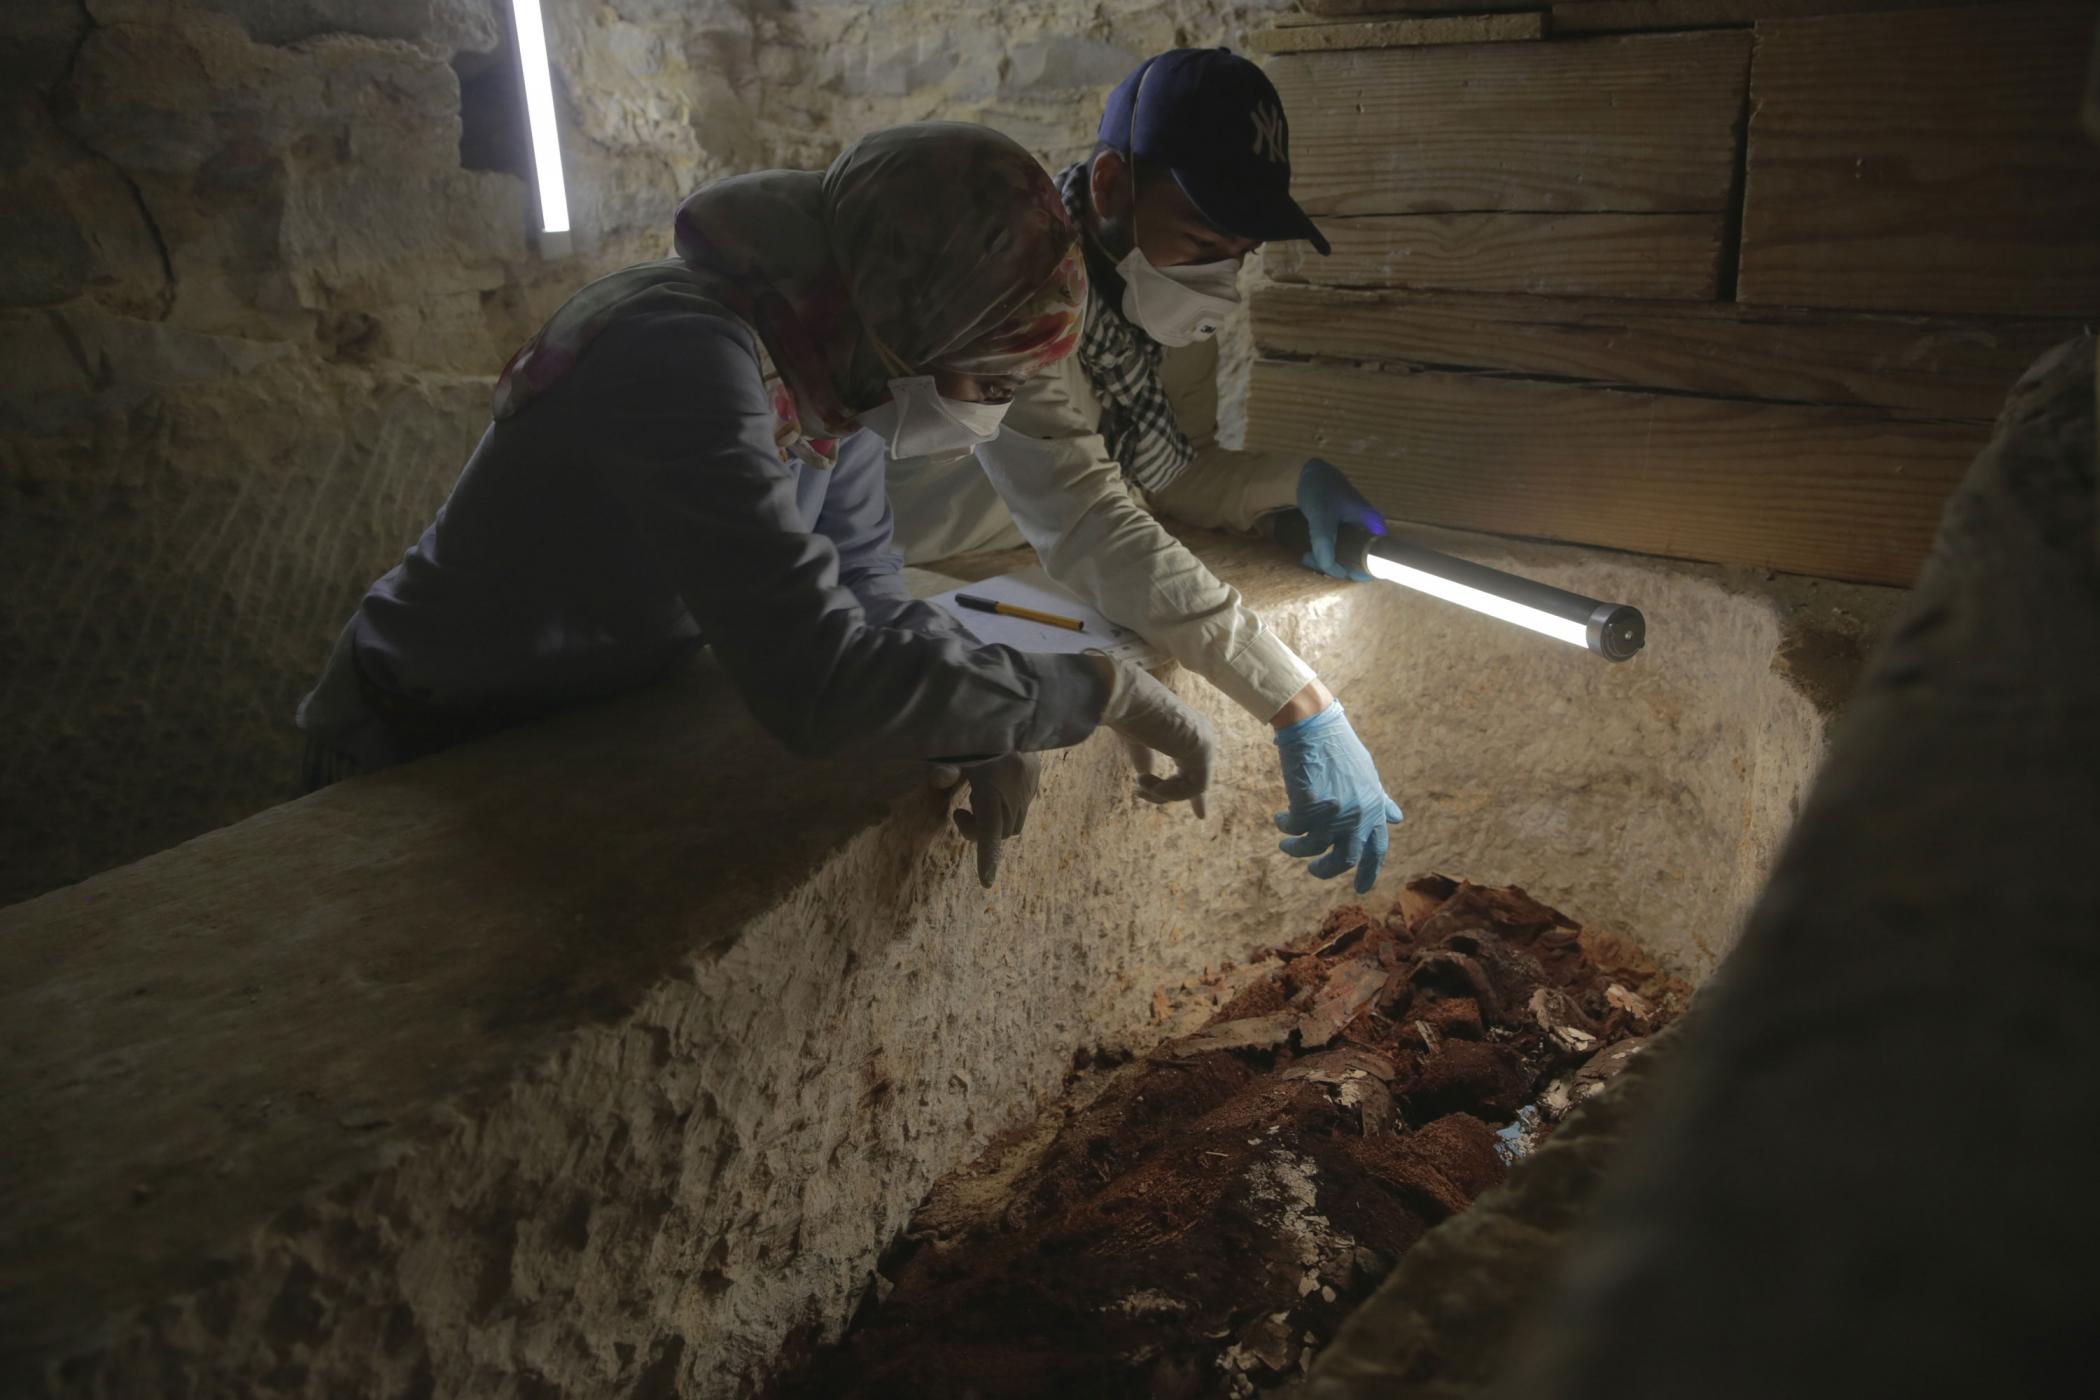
point(1032, 588)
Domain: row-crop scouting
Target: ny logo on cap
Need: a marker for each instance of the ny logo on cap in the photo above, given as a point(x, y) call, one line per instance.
point(1268, 132)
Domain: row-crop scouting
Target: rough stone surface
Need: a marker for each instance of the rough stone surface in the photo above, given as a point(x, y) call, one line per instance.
point(260, 262)
point(176, 549)
point(1039, 71)
point(548, 1063)
point(1647, 796)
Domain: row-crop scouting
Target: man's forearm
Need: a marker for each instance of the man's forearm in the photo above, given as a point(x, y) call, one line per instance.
point(1304, 705)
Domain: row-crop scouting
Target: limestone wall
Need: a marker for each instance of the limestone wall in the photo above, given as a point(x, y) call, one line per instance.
point(258, 262)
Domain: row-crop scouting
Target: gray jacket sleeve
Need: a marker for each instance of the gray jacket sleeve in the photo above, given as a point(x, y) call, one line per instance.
point(856, 519)
point(668, 409)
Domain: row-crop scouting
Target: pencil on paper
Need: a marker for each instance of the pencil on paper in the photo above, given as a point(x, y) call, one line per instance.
point(977, 604)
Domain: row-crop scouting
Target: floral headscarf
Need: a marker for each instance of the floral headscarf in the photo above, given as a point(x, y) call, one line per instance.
point(936, 245)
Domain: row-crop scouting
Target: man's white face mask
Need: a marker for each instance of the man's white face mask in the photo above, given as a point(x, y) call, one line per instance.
point(1173, 305)
point(1178, 305)
point(918, 422)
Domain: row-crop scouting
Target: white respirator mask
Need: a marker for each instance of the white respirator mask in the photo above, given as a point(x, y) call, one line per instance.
point(1178, 305)
point(918, 422)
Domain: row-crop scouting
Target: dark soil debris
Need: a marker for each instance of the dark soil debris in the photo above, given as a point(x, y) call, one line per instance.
point(1197, 1222)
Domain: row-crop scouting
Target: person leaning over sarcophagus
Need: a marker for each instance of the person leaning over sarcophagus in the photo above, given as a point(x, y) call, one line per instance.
point(1191, 172)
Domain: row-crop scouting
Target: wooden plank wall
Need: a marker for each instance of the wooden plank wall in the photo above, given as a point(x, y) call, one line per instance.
point(1990, 204)
point(1733, 280)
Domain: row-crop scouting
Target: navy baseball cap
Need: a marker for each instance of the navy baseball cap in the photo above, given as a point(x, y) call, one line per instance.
point(1215, 121)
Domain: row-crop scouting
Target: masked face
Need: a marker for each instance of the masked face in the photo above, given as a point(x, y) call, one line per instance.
point(918, 422)
point(1187, 301)
point(1178, 305)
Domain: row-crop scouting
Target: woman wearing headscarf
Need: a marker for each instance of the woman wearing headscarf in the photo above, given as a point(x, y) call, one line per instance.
point(691, 453)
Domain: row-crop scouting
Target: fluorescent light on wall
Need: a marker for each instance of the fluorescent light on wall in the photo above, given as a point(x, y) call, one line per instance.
point(539, 112)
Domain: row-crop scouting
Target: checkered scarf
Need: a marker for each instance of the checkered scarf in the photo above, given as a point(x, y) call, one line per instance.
point(1122, 363)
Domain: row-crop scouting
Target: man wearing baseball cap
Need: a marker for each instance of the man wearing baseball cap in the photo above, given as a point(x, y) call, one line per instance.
point(1191, 173)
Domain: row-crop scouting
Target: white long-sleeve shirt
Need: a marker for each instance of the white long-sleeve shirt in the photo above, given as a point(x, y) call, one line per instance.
point(1051, 480)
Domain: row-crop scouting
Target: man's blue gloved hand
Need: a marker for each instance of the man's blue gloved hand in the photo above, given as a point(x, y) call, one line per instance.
point(1337, 800)
point(1328, 502)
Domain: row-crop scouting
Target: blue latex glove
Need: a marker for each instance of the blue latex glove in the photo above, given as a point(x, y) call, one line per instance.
point(1337, 800)
point(1328, 502)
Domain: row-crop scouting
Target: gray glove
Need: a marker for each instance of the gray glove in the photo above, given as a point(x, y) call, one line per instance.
point(1150, 717)
point(1001, 790)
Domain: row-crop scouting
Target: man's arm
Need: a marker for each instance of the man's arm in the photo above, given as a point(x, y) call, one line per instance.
point(1233, 490)
point(1067, 497)
point(1066, 493)
point(1221, 488)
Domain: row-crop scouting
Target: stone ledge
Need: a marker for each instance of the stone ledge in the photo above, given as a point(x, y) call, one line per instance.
point(618, 1047)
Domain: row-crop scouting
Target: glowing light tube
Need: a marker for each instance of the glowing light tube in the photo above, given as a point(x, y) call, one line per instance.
point(1479, 600)
point(539, 112)
point(1613, 631)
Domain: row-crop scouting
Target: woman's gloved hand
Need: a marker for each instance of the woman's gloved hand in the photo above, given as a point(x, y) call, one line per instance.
point(1149, 715)
point(1328, 502)
point(1338, 805)
point(1001, 791)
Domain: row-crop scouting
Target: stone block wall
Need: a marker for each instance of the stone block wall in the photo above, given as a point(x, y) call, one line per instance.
point(259, 261)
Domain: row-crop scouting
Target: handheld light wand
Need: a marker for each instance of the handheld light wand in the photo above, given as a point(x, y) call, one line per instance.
point(1612, 630)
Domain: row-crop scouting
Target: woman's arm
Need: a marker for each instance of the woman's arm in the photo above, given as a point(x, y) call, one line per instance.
point(669, 411)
